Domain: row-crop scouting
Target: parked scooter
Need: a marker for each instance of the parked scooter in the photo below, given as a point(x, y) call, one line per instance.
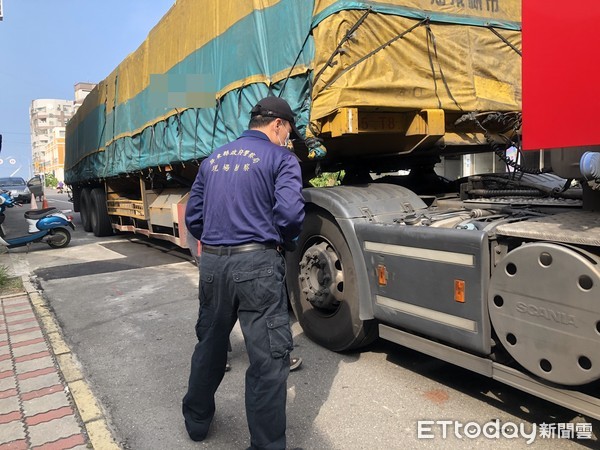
point(45, 225)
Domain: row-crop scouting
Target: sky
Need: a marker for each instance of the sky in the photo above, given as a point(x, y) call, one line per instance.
point(47, 46)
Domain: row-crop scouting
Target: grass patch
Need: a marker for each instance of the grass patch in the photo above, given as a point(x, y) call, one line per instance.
point(9, 285)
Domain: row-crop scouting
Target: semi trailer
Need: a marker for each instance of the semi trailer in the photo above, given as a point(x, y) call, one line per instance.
point(403, 101)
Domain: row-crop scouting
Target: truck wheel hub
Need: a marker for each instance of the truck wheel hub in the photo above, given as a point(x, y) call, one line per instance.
point(321, 277)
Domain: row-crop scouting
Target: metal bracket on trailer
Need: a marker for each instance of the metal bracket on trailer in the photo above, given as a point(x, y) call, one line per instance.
point(419, 128)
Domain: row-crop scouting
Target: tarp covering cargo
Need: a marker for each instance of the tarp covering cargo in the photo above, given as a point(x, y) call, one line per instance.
point(191, 84)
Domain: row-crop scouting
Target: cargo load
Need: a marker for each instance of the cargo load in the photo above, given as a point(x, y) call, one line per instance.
point(190, 85)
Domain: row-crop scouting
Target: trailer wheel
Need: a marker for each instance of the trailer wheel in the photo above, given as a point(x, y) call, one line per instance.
point(323, 289)
point(59, 238)
point(101, 225)
point(86, 209)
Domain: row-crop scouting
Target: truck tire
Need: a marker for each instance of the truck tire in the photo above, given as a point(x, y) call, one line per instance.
point(323, 286)
point(100, 221)
point(76, 199)
point(85, 209)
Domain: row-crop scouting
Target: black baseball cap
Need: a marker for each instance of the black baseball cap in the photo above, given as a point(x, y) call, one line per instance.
point(278, 108)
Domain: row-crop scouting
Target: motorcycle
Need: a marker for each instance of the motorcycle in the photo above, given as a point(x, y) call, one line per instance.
point(45, 225)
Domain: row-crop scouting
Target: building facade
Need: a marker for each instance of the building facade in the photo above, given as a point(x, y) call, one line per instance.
point(48, 119)
point(45, 117)
point(55, 152)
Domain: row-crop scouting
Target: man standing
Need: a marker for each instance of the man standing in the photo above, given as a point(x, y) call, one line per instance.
point(245, 205)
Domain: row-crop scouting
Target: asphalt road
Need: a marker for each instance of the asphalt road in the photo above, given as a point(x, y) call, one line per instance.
point(127, 307)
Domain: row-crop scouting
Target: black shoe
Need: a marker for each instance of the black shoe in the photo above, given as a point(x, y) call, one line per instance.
point(227, 366)
point(295, 363)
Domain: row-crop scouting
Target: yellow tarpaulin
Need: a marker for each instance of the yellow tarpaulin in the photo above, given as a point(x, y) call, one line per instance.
point(439, 63)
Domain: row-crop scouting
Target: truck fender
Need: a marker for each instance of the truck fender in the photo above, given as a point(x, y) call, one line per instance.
point(350, 205)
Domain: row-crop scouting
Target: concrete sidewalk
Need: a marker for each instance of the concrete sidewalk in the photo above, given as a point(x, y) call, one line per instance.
point(45, 402)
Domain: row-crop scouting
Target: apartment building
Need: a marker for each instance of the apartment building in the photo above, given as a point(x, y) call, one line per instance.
point(48, 119)
point(55, 154)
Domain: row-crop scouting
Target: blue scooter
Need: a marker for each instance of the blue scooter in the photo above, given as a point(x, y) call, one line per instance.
point(45, 225)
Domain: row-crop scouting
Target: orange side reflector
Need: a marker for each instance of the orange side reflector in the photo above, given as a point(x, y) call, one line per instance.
point(382, 275)
point(459, 291)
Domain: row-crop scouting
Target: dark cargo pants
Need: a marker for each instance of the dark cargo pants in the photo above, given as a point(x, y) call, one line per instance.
point(249, 286)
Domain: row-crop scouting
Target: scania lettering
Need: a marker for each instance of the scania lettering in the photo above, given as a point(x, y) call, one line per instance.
point(546, 313)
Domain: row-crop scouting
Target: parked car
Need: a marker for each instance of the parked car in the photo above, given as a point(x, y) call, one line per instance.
point(17, 188)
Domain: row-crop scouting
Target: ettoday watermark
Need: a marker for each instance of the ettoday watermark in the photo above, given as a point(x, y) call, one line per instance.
point(495, 429)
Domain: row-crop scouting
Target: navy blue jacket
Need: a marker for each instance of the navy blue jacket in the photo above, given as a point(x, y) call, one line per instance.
point(249, 190)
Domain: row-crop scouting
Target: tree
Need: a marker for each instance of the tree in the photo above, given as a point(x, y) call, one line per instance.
point(51, 180)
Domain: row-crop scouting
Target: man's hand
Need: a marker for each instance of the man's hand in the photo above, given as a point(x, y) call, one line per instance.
point(316, 149)
point(292, 245)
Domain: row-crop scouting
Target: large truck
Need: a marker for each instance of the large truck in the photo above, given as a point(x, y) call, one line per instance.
point(403, 100)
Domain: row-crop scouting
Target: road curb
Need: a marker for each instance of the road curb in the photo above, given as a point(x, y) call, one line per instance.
point(90, 411)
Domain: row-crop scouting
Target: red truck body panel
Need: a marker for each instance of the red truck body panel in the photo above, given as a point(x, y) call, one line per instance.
point(561, 81)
